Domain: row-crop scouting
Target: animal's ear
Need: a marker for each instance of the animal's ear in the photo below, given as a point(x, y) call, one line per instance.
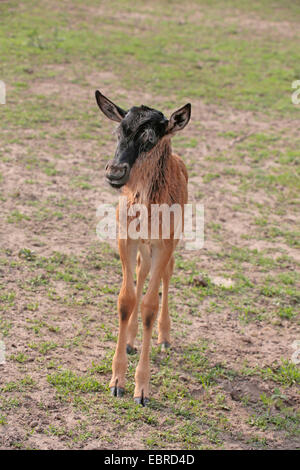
point(111, 110)
point(179, 119)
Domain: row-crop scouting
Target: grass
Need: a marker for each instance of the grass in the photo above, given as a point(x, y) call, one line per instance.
point(286, 373)
point(67, 382)
point(259, 72)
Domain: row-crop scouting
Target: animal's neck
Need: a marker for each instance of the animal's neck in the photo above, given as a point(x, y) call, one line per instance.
point(149, 177)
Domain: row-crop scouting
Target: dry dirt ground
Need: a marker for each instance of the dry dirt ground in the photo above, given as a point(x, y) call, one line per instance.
point(230, 380)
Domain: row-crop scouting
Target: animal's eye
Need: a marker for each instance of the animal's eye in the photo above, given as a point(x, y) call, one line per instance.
point(148, 136)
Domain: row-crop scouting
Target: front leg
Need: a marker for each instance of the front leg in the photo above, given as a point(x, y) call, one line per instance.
point(143, 268)
point(126, 303)
point(161, 254)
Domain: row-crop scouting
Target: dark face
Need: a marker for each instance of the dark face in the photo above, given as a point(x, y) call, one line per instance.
point(139, 131)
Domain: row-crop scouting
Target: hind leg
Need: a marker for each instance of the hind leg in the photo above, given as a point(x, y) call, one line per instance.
point(164, 322)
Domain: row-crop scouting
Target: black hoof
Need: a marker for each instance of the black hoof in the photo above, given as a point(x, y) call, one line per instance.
point(165, 346)
point(130, 349)
point(144, 401)
point(117, 391)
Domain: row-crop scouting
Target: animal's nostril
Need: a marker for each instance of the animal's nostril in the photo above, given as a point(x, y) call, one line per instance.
point(111, 167)
point(116, 172)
